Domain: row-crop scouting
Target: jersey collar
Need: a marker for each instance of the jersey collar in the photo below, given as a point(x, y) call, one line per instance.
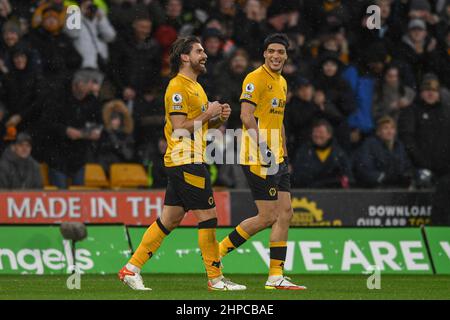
point(274, 75)
point(187, 78)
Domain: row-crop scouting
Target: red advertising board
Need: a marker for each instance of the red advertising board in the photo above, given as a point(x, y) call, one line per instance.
point(131, 208)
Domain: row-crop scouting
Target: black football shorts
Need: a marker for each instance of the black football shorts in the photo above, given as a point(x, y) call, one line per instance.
point(189, 186)
point(267, 188)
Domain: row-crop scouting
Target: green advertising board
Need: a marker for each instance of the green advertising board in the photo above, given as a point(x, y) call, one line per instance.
point(333, 251)
point(42, 250)
point(438, 239)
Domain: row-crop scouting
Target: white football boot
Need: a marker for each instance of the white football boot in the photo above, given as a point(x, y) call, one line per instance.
point(224, 284)
point(282, 283)
point(132, 279)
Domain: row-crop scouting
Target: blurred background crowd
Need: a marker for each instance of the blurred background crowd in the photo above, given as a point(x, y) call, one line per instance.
point(367, 108)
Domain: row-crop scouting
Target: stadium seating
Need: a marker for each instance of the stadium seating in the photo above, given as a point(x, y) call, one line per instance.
point(44, 174)
point(95, 177)
point(83, 188)
point(128, 176)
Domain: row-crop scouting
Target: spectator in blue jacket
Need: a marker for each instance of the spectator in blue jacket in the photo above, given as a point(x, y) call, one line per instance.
point(322, 163)
point(382, 160)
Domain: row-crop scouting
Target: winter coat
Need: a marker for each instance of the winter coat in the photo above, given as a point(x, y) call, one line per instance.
point(92, 39)
point(59, 58)
point(209, 79)
point(363, 89)
point(382, 104)
point(310, 172)
point(425, 131)
point(340, 103)
point(339, 94)
point(250, 35)
point(135, 65)
point(18, 173)
point(115, 146)
point(375, 165)
point(229, 88)
point(21, 93)
point(418, 63)
point(62, 153)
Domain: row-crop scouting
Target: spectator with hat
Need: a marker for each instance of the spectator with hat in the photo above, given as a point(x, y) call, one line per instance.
point(425, 130)
point(59, 58)
point(116, 144)
point(12, 36)
point(416, 49)
point(59, 10)
point(18, 169)
point(22, 86)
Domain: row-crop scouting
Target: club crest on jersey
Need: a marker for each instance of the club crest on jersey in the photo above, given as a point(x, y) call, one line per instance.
point(204, 108)
point(177, 98)
point(250, 87)
point(275, 102)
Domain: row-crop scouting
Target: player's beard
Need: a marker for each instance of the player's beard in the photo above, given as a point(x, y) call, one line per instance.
point(198, 67)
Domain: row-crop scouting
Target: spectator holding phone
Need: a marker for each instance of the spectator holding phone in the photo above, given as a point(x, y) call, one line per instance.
point(72, 125)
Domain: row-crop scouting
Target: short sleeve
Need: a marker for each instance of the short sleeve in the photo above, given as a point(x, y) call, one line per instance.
point(251, 90)
point(176, 101)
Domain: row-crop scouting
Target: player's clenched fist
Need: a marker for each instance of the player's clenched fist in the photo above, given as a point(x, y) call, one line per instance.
point(226, 112)
point(214, 109)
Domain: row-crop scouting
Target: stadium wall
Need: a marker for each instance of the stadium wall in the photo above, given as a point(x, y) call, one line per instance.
point(387, 208)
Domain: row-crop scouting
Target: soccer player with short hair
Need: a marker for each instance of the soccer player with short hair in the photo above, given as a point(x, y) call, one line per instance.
point(263, 101)
point(188, 112)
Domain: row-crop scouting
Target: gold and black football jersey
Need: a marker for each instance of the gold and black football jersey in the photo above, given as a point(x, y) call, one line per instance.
point(267, 91)
point(184, 96)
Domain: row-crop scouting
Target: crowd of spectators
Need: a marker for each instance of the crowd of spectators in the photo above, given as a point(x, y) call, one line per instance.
point(366, 107)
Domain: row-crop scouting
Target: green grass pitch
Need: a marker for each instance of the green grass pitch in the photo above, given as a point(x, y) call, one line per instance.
point(186, 287)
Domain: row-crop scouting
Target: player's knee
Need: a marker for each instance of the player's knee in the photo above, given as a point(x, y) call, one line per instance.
point(172, 223)
point(267, 220)
point(286, 215)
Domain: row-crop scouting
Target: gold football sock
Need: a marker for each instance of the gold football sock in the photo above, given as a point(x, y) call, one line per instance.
point(151, 241)
point(234, 240)
point(209, 247)
point(277, 257)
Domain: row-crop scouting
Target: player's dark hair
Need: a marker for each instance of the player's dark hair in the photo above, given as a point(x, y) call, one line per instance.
point(180, 46)
point(280, 38)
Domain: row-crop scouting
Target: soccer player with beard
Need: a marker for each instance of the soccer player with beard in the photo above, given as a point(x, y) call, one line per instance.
point(263, 101)
point(189, 186)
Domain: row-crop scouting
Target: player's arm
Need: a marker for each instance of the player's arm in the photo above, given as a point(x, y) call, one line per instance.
point(249, 121)
point(283, 136)
point(180, 120)
point(248, 118)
